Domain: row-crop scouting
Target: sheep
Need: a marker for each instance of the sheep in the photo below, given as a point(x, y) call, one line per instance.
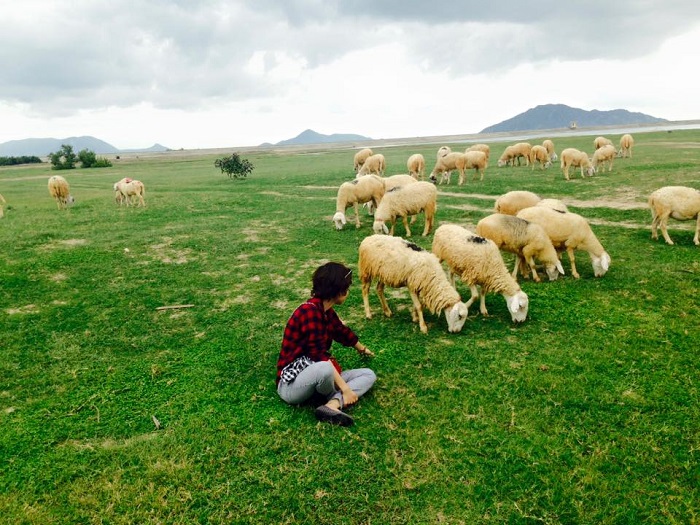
point(59, 189)
point(397, 263)
point(126, 190)
point(445, 165)
point(679, 202)
point(539, 154)
point(569, 231)
point(515, 152)
point(2, 206)
point(507, 157)
point(602, 155)
point(374, 164)
point(480, 147)
point(554, 204)
point(477, 160)
point(549, 146)
point(512, 202)
point(626, 143)
point(599, 142)
point(573, 157)
point(403, 201)
point(442, 151)
point(390, 183)
point(416, 166)
point(479, 264)
point(354, 192)
point(525, 239)
point(360, 158)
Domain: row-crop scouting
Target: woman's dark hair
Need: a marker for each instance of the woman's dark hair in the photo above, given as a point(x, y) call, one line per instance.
point(331, 280)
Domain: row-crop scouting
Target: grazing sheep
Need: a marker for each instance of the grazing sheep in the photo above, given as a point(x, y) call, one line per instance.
point(476, 160)
point(573, 157)
point(365, 189)
point(679, 202)
point(60, 190)
point(525, 239)
point(127, 190)
point(416, 166)
point(373, 164)
point(2, 206)
point(626, 143)
point(445, 165)
point(569, 231)
point(479, 264)
point(508, 156)
point(485, 148)
point(604, 154)
point(538, 154)
point(554, 204)
point(512, 202)
point(442, 151)
point(403, 201)
point(397, 263)
point(549, 146)
point(360, 158)
point(599, 142)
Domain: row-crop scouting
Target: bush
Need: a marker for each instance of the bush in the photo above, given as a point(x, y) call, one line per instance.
point(88, 159)
point(13, 161)
point(234, 166)
point(63, 159)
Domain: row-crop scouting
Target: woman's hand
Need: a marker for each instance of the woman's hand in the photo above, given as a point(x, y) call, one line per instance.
point(363, 350)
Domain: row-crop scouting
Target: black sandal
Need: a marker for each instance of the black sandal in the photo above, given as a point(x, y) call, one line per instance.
point(332, 416)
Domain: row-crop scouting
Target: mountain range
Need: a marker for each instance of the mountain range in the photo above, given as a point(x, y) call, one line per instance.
point(42, 147)
point(309, 136)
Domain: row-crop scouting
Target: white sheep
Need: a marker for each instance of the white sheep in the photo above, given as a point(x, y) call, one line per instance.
point(508, 156)
point(402, 201)
point(569, 231)
point(476, 160)
point(397, 263)
point(554, 204)
point(444, 166)
point(512, 202)
point(679, 202)
point(59, 189)
point(527, 240)
point(127, 190)
point(358, 191)
point(479, 264)
point(485, 148)
point(601, 156)
point(416, 166)
point(374, 164)
point(538, 154)
point(549, 146)
point(626, 143)
point(573, 157)
point(599, 142)
point(390, 183)
point(360, 158)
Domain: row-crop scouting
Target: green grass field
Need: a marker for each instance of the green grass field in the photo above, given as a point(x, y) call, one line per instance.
point(587, 413)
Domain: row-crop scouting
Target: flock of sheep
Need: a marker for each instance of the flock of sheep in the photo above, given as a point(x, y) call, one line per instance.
point(532, 228)
point(126, 191)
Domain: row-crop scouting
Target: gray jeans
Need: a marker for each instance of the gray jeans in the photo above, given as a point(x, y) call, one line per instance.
point(318, 377)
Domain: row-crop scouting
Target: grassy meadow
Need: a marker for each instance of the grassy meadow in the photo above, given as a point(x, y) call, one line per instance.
point(115, 412)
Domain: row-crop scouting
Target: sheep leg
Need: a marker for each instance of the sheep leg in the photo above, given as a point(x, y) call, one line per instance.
point(393, 223)
point(382, 299)
point(566, 172)
point(482, 305)
point(696, 239)
point(654, 226)
point(572, 260)
point(405, 225)
point(475, 295)
point(663, 223)
point(531, 263)
point(357, 215)
point(461, 177)
point(417, 312)
point(428, 224)
point(365, 298)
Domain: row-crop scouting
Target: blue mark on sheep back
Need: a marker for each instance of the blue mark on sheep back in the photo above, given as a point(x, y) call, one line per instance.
point(414, 247)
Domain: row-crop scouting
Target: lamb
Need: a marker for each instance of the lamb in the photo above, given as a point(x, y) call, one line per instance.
point(59, 189)
point(403, 201)
point(573, 157)
point(360, 158)
point(397, 263)
point(480, 265)
point(512, 202)
point(626, 143)
point(374, 164)
point(604, 154)
point(485, 148)
point(476, 160)
point(126, 190)
point(549, 146)
point(525, 239)
point(569, 231)
point(354, 192)
point(679, 202)
point(538, 154)
point(554, 204)
point(445, 165)
point(416, 166)
point(599, 142)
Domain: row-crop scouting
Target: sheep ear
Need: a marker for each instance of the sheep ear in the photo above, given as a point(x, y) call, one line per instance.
point(605, 262)
point(560, 268)
point(385, 229)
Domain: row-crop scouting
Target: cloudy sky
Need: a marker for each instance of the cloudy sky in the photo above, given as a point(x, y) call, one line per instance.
point(211, 73)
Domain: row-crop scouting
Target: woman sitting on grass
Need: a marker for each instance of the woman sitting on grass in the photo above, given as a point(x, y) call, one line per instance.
point(305, 367)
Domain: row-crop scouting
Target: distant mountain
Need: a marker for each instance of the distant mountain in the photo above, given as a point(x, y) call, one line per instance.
point(552, 116)
point(311, 137)
point(42, 147)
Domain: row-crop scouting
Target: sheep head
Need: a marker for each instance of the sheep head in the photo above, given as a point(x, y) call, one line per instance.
point(600, 264)
point(339, 220)
point(517, 306)
point(554, 270)
point(456, 316)
point(380, 227)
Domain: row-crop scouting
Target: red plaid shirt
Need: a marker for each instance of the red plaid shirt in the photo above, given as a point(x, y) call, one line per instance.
point(311, 331)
